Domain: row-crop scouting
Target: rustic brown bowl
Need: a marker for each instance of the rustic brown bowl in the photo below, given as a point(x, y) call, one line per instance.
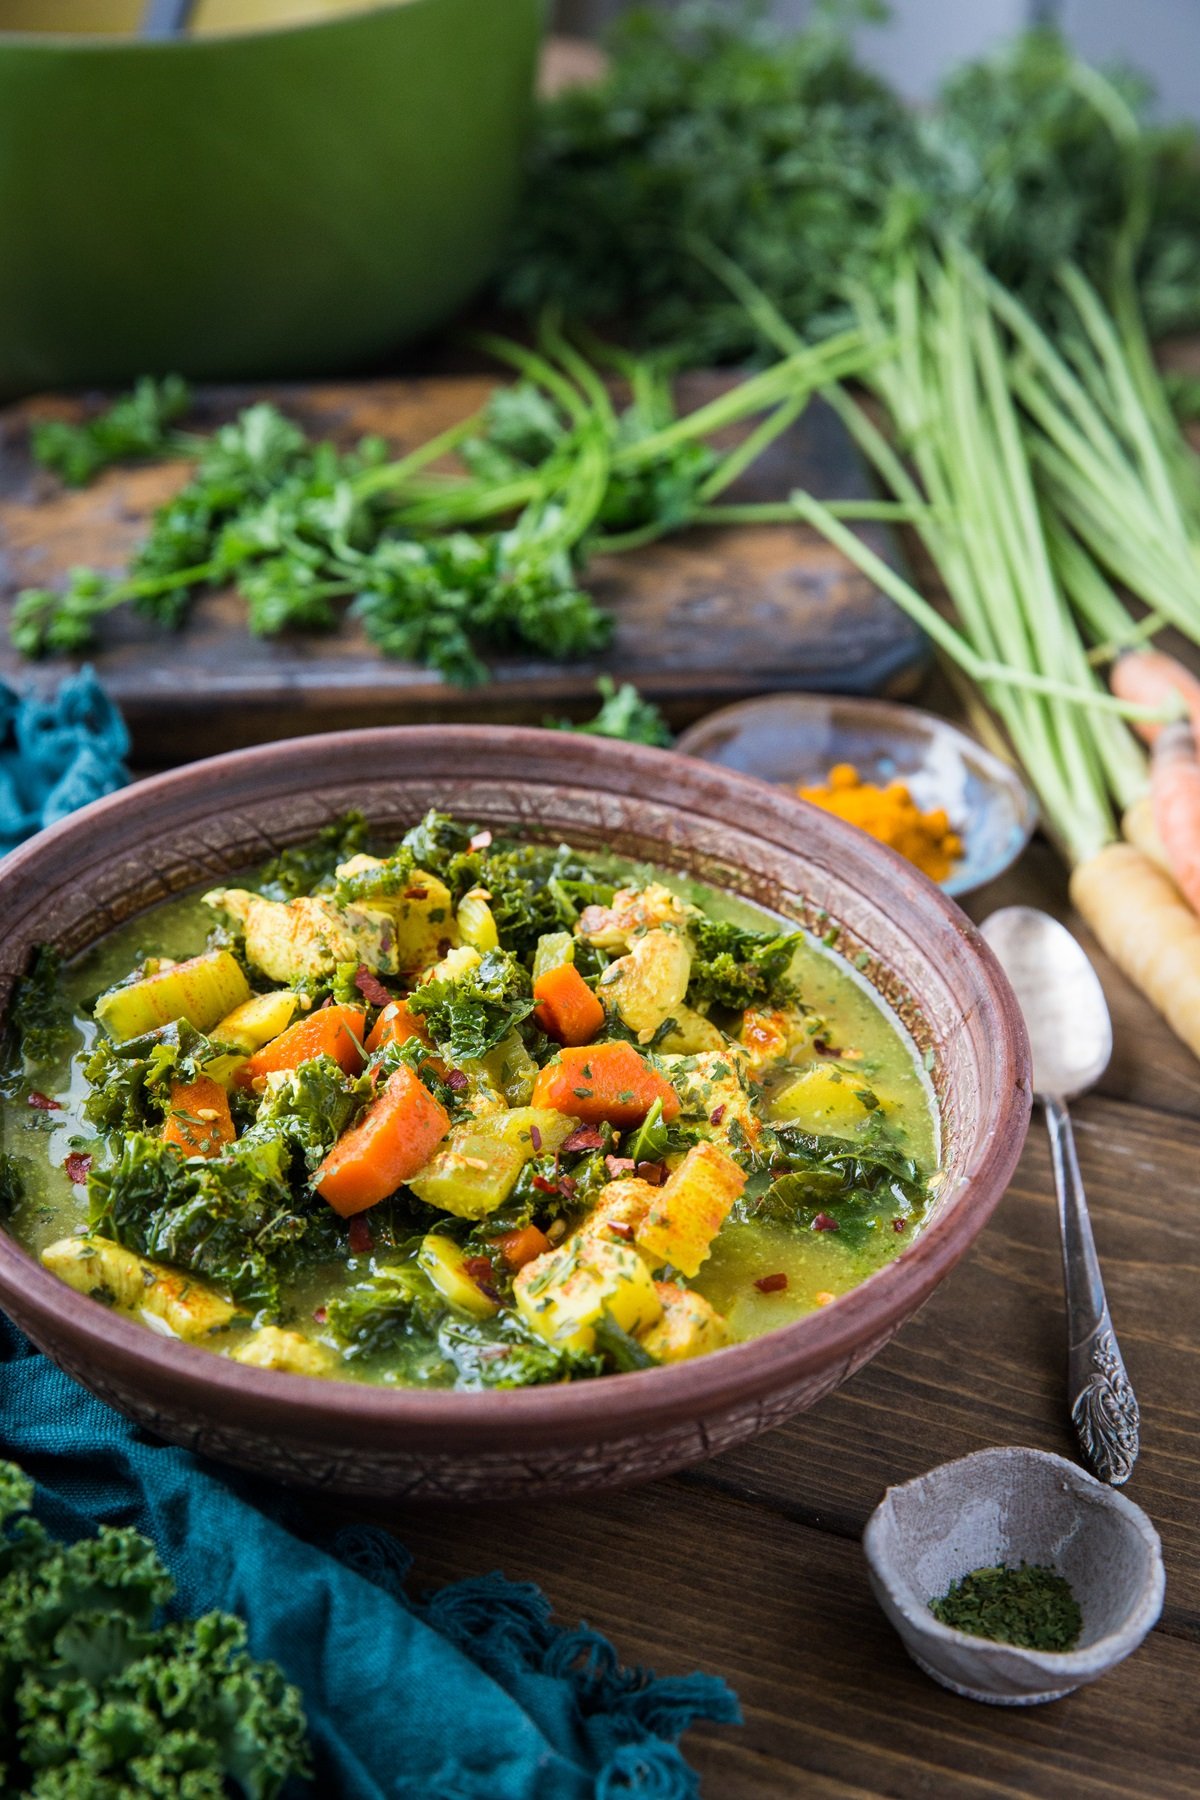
point(128, 851)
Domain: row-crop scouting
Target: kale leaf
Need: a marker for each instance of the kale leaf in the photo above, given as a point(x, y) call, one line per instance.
point(39, 1015)
point(231, 1219)
point(504, 1353)
point(135, 427)
point(308, 868)
point(397, 1304)
point(469, 1015)
point(307, 1109)
point(99, 1699)
point(738, 968)
point(623, 714)
point(129, 1083)
point(855, 1182)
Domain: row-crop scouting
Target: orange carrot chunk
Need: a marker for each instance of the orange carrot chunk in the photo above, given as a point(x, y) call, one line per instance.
point(395, 1137)
point(395, 1025)
point(604, 1081)
point(199, 1121)
point(521, 1247)
point(335, 1031)
point(566, 1007)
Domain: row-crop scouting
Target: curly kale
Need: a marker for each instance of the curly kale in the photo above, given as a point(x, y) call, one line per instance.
point(129, 1084)
point(395, 1305)
point(39, 1015)
point(136, 427)
point(99, 1700)
point(504, 1353)
point(308, 868)
point(623, 714)
point(738, 968)
point(12, 1183)
point(468, 1016)
point(232, 1219)
point(307, 1109)
point(858, 1184)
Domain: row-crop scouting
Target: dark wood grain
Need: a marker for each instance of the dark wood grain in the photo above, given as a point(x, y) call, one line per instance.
point(707, 617)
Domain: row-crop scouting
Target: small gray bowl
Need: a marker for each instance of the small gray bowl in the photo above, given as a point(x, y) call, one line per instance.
point(1014, 1506)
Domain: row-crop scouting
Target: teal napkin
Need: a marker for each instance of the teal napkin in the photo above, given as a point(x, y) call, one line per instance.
point(57, 752)
point(471, 1694)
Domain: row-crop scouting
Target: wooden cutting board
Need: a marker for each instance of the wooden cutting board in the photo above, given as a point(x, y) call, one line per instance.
point(702, 618)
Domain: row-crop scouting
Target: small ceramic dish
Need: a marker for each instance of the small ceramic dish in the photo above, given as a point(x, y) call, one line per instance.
point(791, 739)
point(1014, 1506)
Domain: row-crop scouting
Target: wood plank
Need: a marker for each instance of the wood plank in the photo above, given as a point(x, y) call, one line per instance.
point(706, 617)
point(682, 1578)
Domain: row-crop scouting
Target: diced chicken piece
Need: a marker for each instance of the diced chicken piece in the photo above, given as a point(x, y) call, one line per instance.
point(302, 940)
point(690, 1325)
point(619, 1212)
point(647, 986)
point(693, 1034)
point(563, 1294)
point(287, 1351)
point(132, 1283)
point(713, 1096)
point(422, 913)
point(769, 1037)
point(633, 911)
point(686, 1214)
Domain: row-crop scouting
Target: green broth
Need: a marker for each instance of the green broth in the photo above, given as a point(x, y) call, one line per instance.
point(819, 1264)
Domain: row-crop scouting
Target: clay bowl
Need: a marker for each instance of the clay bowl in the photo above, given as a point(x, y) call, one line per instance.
point(123, 853)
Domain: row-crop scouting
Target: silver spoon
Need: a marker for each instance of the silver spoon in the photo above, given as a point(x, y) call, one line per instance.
point(1070, 1034)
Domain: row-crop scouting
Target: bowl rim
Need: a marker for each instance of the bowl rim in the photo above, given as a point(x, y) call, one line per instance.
point(1065, 1665)
point(1000, 773)
point(620, 1403)
point(187, 42)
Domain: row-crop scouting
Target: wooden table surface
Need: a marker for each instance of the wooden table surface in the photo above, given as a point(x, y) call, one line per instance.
point(750, 1565)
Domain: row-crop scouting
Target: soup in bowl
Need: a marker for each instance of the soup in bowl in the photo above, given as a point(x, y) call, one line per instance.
point(474, 1110)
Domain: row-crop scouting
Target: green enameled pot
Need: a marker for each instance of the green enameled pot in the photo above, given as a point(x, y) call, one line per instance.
point(269, 202)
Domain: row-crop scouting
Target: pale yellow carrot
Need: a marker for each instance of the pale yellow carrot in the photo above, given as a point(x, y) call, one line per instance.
point(1138, 828)
point(1148, 929)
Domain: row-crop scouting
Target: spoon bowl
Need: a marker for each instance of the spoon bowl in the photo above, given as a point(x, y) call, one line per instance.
point(1066, 1014)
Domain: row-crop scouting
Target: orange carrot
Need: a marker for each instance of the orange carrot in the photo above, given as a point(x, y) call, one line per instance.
point(1149, 678)
point(521, 1247)
point(199, 1121)
point(566, 1007)
point(395, 1137)
point(1175, 792)
point(395, 1025)
point(335, 1031)
point(604, 1081)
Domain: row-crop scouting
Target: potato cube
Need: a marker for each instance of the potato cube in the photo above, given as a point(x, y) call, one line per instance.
point(564, 1294)
point(690, 1325)
point(422, 913)
point(445, 1265)
point(686, 1214)
point(249, 1026)
point(826, 1101)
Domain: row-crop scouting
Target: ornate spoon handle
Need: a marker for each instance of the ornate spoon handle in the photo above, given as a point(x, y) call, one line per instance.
point(1104, 1409)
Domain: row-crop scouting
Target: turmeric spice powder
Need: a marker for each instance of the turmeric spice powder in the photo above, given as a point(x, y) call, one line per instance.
point(891, 815)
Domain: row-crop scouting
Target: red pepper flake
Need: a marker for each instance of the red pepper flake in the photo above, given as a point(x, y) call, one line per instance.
point(327, 1001)
point(899, 1224)
point(457, 1080)
point(535, 1137)
point(77, 1166)
point(43, 1102)
point(771, 1284)
point(443, 947)
point(654, 1173)
point(360, 1236)
point(416, 893)
point(716, 1115)
point(480, 841)
point(370, 987)
point(619, 1165)
point(825, 1222)
point(619, 1229)
point(544, 1186)
point(479, 1268)
point(823, 1048)
point(584, 1137)
point(320, 1314)
point(567, 1187)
